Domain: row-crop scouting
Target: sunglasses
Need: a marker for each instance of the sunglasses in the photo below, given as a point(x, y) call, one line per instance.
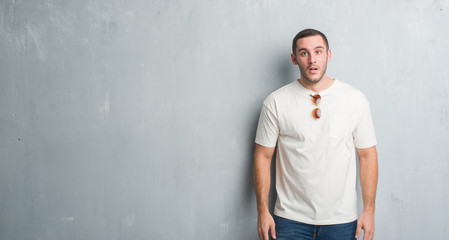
point(316, 99)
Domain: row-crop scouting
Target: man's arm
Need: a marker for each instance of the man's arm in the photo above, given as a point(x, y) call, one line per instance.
point(262, 180)
point(368, 180)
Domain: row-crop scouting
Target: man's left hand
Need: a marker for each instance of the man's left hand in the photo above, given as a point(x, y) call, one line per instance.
point(365, 222)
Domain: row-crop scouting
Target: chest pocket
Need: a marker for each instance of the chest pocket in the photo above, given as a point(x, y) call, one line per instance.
point(340, 125)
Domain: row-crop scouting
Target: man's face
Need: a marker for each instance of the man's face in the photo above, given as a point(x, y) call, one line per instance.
point(311, 56)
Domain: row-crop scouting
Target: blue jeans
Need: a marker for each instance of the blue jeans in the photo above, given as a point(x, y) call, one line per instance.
point(291, 230)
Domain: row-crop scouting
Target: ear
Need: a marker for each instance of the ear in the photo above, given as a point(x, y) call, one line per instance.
point(329, 55)
point(294, 61)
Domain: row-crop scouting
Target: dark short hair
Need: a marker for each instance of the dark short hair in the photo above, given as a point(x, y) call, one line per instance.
point(308, 33)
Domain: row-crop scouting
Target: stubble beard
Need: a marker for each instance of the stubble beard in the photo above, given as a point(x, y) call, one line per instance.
point(309, 80)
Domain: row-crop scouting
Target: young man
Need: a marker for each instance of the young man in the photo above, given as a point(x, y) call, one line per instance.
point(317, 123)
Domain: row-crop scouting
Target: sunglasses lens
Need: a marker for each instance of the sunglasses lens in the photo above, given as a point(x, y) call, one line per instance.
point(316, 99)
point(316, 113)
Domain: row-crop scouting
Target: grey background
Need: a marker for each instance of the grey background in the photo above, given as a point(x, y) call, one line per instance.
point(136, 119)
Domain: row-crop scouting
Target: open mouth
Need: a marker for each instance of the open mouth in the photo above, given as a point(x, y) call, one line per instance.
point(313, 69)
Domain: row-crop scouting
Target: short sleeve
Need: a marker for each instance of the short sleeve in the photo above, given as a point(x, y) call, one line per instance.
point(268, 128)
point(364, 133)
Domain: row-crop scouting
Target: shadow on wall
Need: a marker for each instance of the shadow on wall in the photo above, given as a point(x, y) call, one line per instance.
point(287, 72)
point(284, 74)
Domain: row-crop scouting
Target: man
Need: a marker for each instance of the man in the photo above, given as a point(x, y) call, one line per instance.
point(317, 123)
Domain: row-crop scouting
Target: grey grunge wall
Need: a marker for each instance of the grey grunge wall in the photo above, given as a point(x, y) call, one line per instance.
point(136, 119)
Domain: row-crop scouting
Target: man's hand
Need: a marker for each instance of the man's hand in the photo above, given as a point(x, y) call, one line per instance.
point(262, 178)
point(265, 222)
point(368, 182)
point(365, 222)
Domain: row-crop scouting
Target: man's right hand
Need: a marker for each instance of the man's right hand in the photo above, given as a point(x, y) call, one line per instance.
point(262, 180)
point(265, 223)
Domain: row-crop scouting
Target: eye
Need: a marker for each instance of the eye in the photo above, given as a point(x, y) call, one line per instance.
point(318, 52)
point(303, 53)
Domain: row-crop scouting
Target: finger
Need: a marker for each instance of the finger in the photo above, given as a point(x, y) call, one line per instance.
point(265, 234)
point(273, 231)
point(368, 235)
point(260, 234)
point(359, 230)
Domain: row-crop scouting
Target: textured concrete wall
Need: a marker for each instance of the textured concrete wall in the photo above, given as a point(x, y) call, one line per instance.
point(136, 119)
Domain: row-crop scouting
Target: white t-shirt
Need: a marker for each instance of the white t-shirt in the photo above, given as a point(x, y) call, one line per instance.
point(315, 158)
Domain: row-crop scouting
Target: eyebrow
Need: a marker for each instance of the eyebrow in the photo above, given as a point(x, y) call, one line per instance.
point(314, 48)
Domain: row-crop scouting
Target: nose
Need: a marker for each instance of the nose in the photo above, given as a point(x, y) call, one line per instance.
point(312, 59)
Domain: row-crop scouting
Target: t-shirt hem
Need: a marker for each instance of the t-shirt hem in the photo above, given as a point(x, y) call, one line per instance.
point(264, 143)
point(366, 145)
point(319, 222)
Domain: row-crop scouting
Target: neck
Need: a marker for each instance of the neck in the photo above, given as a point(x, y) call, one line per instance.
point(317, 87)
